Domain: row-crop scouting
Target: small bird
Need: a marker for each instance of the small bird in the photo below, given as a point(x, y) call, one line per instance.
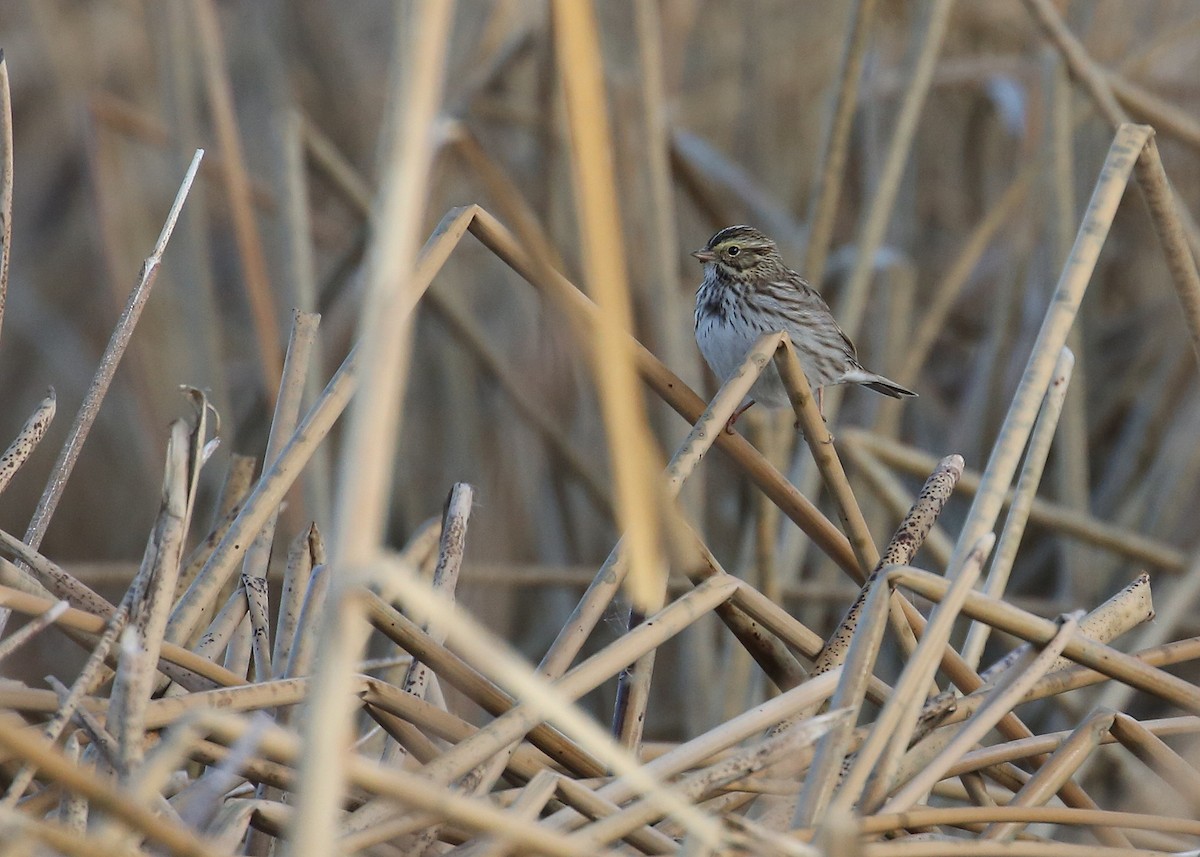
point(748, 291)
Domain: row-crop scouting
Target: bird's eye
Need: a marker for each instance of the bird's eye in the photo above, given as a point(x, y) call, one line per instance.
point(733, 250)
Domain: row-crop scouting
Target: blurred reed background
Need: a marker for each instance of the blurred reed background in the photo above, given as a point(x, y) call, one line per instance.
point(720, 113)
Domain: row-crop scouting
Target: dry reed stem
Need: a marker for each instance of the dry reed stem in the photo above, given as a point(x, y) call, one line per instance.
point(896, 497)
point(1166, 216)
point(293, 381)
point(633, 685)
point(1027, 483)
point(6, 182)
point(631, 449)
point(151, 597)
point(1000, 700)
point(830, 755)
point(1012, 620)
point(1118, 540)
point(394, 284)
point(1177, 230)
point(239, 480)
point(1051, 776)
point(706, 431)
point(52, 578)
point(695, 786)
point(255, 277)
point(302, 282)
point(820, 443)
point(305, 553)
point(880, 756)
point(104, 373)
point(102, 794)
point(1002, 462)
point(670, 388)
point(31, 629)
point(962, 815)
point(827, 188)
point(543, 701)
point(29, 436)
point(1178, 774)
point(1123, 611)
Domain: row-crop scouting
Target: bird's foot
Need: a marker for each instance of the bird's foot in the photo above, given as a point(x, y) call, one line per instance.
point(734, 417)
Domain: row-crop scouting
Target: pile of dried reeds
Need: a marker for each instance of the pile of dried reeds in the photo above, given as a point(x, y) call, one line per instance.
point(208, 721)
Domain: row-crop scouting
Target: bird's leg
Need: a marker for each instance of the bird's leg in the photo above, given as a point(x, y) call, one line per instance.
point(821, 402)
point(733, 419)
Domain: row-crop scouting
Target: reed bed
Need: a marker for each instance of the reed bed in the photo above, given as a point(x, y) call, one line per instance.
point(863, 631)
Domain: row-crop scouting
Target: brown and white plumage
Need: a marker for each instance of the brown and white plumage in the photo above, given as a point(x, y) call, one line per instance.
point(748, 291)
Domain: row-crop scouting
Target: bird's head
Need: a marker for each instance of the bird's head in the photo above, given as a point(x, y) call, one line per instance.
point(740, 251)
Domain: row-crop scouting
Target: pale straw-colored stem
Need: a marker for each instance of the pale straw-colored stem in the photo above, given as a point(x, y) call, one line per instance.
point(1018, 514)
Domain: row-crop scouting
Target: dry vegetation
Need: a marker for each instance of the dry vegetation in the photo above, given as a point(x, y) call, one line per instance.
point(402, 278)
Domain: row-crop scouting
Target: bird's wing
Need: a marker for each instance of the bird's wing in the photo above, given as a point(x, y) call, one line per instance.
point(807, 299)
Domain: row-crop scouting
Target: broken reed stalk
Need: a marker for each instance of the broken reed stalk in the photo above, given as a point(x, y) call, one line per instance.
point(105, 372)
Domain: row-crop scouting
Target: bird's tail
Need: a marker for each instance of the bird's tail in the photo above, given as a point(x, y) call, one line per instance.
point(878, 383)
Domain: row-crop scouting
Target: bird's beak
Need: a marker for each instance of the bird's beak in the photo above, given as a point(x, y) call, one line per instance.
point(705, 255)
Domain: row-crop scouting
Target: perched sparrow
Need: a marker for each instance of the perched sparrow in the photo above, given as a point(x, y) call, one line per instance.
point(748, 291)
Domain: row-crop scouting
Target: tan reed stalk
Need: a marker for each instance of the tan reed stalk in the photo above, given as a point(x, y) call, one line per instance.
point(102, 794)
point(1073, 478)
point(1159, 757)
point(53, 578)
point(224, 626)
point(528, 805)
point(32, 628)
point(880, 756)
point(631, 450)
point(633, 685)
point(104, 374)
point(827, 189)
point(895, 496)
point(31, 432)
point(302, 281)
point(6, 181)
point(151, 597)
point(1072, 284)
point(961, 815)
point(1052, 775)
point(667, 305)
point(820, 443)
point(1145, 106)
point(1119, 540)
point(93, 624)
point(1012, 620)
point(394, 284)
point(540, 700)
point(859, 661)
point(1125, 610)
point(256, 278)
point(399, 787)
point(603, 588)
point(1031, 476)
point(445, 577)
point(694, 786)
point(292, 384)
point(1011, 687)
point(239, 480)
point(306, 552)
